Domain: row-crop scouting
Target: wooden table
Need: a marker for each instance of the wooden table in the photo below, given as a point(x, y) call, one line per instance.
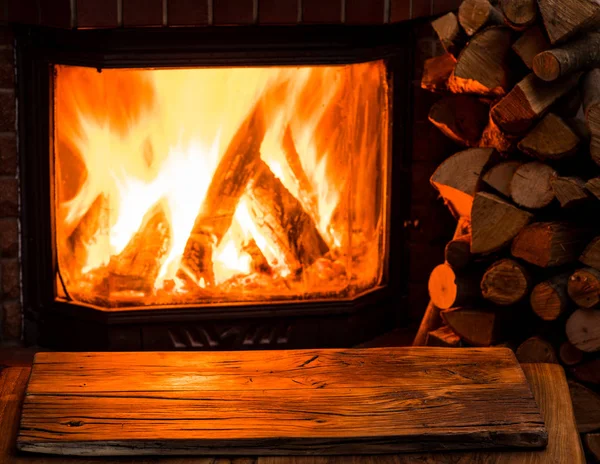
point(547, 382)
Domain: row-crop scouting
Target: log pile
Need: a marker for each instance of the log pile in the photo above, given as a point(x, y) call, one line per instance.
point(519, 89)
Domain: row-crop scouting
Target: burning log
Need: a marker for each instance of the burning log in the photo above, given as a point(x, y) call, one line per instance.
point(449, 32)
point(565, 18)
point(137, 266)
point(259, 262)
point(443, 337)
point(583, 330)
point(280, 216)
point(457, 253)
point(495, 223)
point(549, 299)
point(457, 178)
point(569, 355)
point(236, 167)
point(569, 191)
point(478, 327)
point(532, 42)
point(482, 66)
point(550, 139)
point(528, 101)
point(536, 350)
point(437, 72)
point(578, 55)
point(584, 288)
point(461, 118)
point(447, 289)
point(531, 185)
point(519, 14)
point(586, 406)
point(499, 177)
point(505, 282)
point(591, 106)
point(548, 244)
point(591, 255)
point(473, 15)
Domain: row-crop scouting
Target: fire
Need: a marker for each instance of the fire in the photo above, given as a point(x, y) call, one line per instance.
point(220, 184)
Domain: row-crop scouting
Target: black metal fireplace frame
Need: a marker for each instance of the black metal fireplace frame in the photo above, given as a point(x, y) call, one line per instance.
point(68, 325)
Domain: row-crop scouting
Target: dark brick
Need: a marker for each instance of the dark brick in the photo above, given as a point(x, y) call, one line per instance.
point(23, 11)
point(187, 13)
point(322, 11)
point(400, 10)
point(55, 13)
point(423, 258)
point(142, 13)
point(7, 111)
point(94, 13)
point(364, 11)
point(9, 238)
point(9, 197)
point(226, 12)
point(277, 12)
point(12, 321)
point(6, 35)
point(11, 279)
point(8, 155)
point(443, 6)
point(421, 8)
point(7, 69)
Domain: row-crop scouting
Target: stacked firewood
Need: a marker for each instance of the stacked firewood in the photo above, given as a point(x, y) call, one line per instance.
point(520, 90)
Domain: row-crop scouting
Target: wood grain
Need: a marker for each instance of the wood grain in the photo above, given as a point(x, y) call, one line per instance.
point(318, 402)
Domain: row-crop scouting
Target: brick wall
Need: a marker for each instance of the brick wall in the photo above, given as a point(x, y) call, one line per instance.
point(10, 279)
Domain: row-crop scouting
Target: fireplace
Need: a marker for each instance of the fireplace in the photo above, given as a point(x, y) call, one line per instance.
point(179, 194)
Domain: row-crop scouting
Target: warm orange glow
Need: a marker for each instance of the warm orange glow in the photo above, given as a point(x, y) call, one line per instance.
point(221, 184)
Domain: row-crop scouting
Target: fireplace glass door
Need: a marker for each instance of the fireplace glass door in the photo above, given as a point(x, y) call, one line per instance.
point(220, 185)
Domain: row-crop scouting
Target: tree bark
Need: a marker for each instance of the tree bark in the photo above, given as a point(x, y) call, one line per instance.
point(457, 253)
point(563, 19)
point(550, 139)
point(531, 185)
point(571, 57)
point(583, 330)
point(584, 287)
point(550, 299)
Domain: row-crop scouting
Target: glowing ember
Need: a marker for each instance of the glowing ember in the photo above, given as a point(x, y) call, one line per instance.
point(224, 184)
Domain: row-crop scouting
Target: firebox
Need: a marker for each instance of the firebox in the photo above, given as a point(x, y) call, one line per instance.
point(214, 189)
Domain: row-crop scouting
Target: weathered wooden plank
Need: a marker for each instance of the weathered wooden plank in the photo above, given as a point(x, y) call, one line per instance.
point(276, 403)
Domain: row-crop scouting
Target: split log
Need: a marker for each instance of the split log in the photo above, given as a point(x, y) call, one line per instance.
point(550, 139)
point(591, 255)
point(586, 406)
point(531, 185)
point(457, 178)
point(280, 216)
point(482, 67)
point(569, 355)
point(237, 165)
point(437, 72)
point(495, 222)
point(477, 327)
point(550, 299)
point(431, 321)
point(458, 252)
point(448, 289)
point(536, 350)
point(564, 19)
point(519, 14)
point(443, 337)
point(587, 372)
point(584, 288)
point(569, 191)
point(505, 282)
point(583, 330)
point(528, 101)
point(593, 186)
point(591, 106)
point(574, 56)
point(494, 137)
point(473, 15)
point(500, 176)
point(592, 444)
point(548, 244)
point(531, 42)
point(137, 266)
point(305, 189)
point(461, 118)
point(449, 32)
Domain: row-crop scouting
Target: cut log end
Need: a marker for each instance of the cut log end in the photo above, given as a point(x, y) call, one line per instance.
point(583, 330)
point(569, 355)
point(448, 289)
point(519, 13)
point(549, 299)
point(531, 185)
point(547, 66)
point(505, 282)
point(536, 350)
point(584, 288)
